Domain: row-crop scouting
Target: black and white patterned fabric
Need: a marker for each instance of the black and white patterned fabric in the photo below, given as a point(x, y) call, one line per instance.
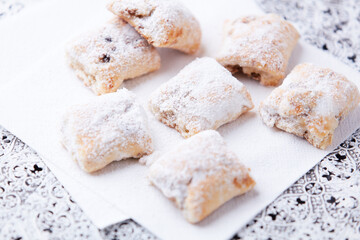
point(323, 204)
point(331, 25)
point(8, 7)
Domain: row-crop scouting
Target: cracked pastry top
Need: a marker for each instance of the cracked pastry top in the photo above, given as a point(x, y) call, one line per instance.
point(203, 95)
point(200, 175)
point(258, 46)
point(164, 23)
point(108, 128)
point(310, 103)
point(106, 57)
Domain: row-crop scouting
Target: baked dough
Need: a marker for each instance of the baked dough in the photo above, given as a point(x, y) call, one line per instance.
point(108, 128)
point(203, 95)
point(259, 46)
point(164, 23)
point(104, 58)
point(200, 175)
point(310, 103)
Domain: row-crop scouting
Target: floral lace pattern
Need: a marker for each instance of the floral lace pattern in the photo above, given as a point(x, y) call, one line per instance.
point(34, 205)
point(12, 7)
point(331, 25)
point(324, 203)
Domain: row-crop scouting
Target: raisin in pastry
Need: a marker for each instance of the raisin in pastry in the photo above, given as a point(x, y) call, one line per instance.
point(104, 58)
point(259, 46)
point(203, 95)
point(164, 23)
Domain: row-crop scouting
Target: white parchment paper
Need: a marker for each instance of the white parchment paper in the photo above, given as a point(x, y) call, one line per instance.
point(32, 105)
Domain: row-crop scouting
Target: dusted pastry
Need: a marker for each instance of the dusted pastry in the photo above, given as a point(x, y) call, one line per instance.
point(310, 103)
point(200, 175)
point(104, 58)
point(259, 46)
point(203, 95)
point(108, 128)
point(164, 23)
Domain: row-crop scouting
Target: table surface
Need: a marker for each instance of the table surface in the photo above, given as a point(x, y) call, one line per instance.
point(323, 204)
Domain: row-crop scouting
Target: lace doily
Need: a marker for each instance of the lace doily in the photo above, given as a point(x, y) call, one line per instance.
point(323, 203)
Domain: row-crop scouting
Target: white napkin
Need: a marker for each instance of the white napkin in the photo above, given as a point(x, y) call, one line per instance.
point(32, 106)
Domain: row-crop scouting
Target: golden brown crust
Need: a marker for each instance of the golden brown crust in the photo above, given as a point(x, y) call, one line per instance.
point(260, 47)
point(202, 96)
point(215, 191)
point(200, 175)
point(103, 59)
point(162, 23)
point(310, 103)
point(110, 127)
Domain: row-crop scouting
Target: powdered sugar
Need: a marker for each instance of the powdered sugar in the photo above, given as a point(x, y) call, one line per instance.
point(107, 126)
point(203, 95)
point(310, 103)
point(164, 23)
point(148, 160)
point(263, 43)
point(195, 160)
point(107, 56)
